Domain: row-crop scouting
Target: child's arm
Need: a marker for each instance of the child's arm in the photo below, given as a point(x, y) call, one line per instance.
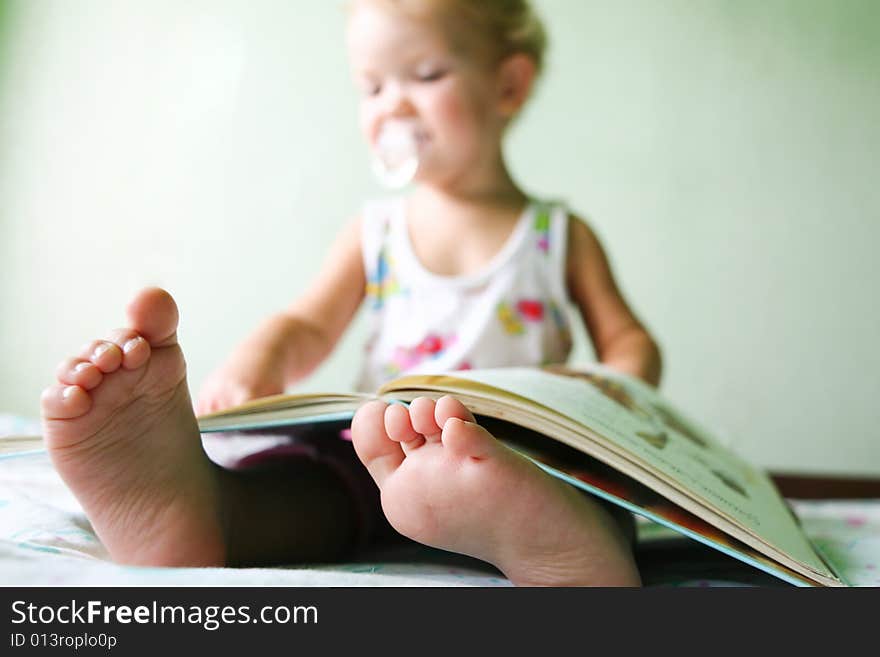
point(288, 345)
point(620, 340)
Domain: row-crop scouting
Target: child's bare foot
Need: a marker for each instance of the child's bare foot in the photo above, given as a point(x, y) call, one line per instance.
point(446, 482)
point(120, 429)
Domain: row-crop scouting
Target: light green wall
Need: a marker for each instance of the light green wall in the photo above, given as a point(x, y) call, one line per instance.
point(726, 152)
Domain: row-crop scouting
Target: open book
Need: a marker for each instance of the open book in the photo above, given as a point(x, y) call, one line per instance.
point(605, 433)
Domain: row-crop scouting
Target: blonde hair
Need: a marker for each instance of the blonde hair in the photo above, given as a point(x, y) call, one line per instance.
point(494, 29)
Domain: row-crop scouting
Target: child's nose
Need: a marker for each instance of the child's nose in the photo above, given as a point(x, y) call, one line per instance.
point(397, 101)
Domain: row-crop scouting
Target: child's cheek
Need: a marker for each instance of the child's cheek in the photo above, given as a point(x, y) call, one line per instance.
point(454, 113)
point(368, 122)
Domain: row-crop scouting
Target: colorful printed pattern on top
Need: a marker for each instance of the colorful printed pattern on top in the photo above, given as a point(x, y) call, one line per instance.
point(542, 227)
point(515, 317)
point(382, 283)
point(432, 347)
point(509, 313)
point(562, 325)
point(509, 319)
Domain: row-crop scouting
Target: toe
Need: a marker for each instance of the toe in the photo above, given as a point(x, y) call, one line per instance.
point(136, 352)
point(153, 314)
point(399, 427)
point(379, 454)
point(468, 439)
point(62, 402)
point(135, 349)
point(79, 372)
point(421, 411)
point(105, 355)
point(448, 407)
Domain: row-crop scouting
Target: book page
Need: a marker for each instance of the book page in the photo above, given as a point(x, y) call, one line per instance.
point(640, 423)
point(584, 471)
point(283, 410)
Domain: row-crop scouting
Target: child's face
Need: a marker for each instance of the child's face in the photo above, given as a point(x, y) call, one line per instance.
point(405, 69)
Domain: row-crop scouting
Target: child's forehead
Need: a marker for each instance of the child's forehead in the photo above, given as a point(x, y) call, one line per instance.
point(375, 31)
point(375, 21)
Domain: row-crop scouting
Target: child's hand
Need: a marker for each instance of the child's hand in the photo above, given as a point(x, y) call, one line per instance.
point(245, 376)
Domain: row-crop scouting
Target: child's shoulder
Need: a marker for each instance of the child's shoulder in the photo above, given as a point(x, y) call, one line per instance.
point(576, 225)
point(582, 247)
point(580, 233)
point(585, 256)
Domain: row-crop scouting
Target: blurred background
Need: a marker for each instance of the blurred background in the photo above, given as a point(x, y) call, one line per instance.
point(727, 153)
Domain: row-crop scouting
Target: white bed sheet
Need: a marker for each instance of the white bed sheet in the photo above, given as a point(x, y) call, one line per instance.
point(45, 539)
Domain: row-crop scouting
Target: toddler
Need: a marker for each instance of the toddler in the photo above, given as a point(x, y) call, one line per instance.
point(465, 271)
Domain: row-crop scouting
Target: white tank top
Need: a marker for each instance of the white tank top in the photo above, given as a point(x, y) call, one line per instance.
point(510, 313)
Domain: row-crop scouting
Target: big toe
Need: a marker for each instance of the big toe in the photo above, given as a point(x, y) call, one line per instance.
point(449, 407)
point(62, 402)
point(153, 313)
point(468, 439)
point(460, 432)
point(379, 454)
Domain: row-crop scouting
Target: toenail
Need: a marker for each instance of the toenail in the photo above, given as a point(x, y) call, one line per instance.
point(100, 349)
point(67, 393)
point(81, 366)
point(131, 344)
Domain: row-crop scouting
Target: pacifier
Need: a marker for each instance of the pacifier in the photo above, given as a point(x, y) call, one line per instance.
point(396, 153)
